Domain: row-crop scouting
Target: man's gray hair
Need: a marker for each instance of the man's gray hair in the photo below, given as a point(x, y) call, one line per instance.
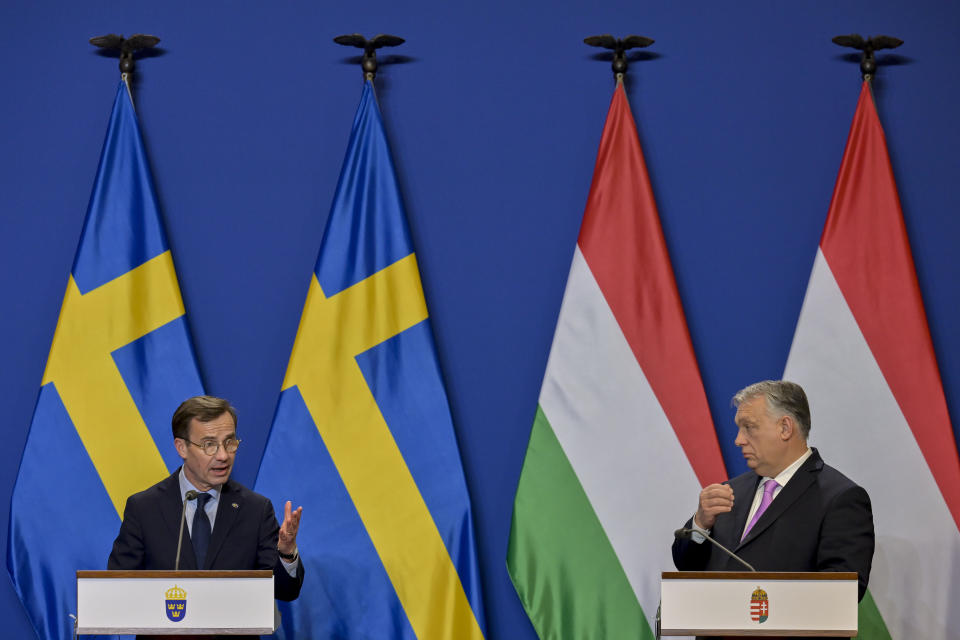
point(783, 398)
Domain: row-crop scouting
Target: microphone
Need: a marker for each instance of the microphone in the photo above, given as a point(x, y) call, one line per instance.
point(686, 534)
point(188, 496)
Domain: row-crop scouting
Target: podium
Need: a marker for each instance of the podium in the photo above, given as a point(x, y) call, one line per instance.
point(175, 602)
point(758, 604)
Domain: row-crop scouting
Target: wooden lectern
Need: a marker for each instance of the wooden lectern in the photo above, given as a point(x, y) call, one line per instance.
point(758, 604)
point(175, 602)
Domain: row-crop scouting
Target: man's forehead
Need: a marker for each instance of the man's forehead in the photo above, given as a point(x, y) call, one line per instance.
point(215, 437)
point(220, 426)
point(750, 408)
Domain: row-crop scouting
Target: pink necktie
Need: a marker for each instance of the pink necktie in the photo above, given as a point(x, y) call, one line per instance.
point(768, 488)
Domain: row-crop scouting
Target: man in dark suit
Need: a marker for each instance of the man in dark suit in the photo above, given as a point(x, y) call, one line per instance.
point(791, 512)
point(227, 526)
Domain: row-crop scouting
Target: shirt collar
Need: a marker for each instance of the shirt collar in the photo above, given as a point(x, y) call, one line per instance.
point(186, 485)
point(784, 476)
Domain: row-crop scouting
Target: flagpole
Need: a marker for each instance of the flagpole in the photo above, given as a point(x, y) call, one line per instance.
point(867, 46)
point(369, 60)
point(619, 46)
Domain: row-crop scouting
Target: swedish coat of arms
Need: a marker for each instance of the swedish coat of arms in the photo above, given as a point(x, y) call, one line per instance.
point(176, 604)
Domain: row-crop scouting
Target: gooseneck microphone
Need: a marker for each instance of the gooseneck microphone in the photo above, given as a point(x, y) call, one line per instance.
point(187, 497)
point(686, 534)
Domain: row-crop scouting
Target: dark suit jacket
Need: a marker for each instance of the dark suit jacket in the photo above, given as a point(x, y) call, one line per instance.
point(244, 536)
point(820, 521)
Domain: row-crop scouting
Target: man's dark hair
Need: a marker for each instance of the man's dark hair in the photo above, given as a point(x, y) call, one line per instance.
point(204, 409)
point(783, 397)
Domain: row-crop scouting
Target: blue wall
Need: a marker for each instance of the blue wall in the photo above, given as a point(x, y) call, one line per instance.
point(494, 111)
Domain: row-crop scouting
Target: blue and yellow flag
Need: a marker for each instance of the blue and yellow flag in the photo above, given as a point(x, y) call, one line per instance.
point(362, 435)
point(120, 364)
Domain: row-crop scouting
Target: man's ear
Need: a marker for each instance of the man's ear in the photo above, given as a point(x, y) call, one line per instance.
point(787, 428)
point(181, 446)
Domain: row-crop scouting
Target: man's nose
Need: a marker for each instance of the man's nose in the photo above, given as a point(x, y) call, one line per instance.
point(739, 440)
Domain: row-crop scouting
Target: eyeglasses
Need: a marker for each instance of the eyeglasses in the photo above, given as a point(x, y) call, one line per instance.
point(210, 447)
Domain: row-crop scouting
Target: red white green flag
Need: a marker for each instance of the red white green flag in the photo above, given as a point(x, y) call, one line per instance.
point(623, 439)
point(862, 351)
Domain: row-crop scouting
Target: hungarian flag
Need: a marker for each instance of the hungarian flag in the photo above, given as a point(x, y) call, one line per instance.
point(622, 439)
point(862, 351)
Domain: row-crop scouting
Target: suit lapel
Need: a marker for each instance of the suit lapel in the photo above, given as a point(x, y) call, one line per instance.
point(743, 493)
point(171, 504)
point(798, 485)
point(171, 507)
point(228, 508)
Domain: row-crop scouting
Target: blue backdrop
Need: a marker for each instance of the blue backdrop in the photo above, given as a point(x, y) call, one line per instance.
point(494, 111)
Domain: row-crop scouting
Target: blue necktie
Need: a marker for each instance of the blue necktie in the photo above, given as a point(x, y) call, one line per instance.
point(200, 536)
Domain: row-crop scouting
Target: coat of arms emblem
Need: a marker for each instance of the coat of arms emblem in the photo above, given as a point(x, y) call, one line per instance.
point(176, 604)
point(759, 606)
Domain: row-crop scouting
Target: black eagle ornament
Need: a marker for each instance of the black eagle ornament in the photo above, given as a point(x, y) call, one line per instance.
point(126, 46)
point(369, 61)
point(868, 64)
point(619, 46)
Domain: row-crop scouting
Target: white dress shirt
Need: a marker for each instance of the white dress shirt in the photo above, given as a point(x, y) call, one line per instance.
point(781, 479)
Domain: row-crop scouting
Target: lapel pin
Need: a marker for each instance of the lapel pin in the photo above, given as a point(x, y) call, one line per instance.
point(235, 505)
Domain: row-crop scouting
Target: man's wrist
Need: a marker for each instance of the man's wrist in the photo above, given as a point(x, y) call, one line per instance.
point(698, 526)
point(698, 531)
point(289, 557)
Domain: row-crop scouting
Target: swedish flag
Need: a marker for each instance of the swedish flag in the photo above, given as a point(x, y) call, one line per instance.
point(362, 436)
point(120, 363)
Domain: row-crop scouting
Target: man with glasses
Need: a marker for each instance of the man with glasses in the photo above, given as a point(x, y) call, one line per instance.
point(229, 526)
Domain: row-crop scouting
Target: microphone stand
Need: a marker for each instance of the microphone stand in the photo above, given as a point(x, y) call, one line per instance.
point(685, 534)
point(190, 495)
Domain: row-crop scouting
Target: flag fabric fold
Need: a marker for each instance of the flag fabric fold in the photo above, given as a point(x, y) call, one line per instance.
point(120, 363)
point(362, 436)
point(863, 352)
point(622, 439)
